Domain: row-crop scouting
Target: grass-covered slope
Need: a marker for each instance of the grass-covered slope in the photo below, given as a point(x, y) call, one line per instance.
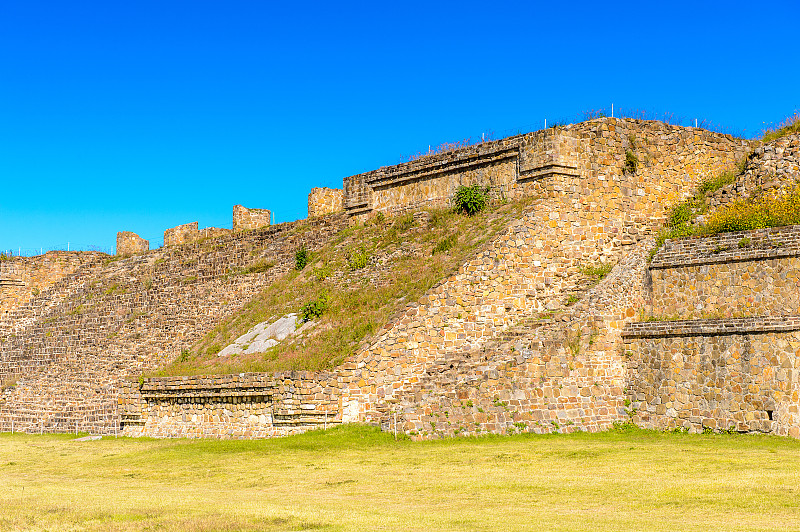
point(358, 282)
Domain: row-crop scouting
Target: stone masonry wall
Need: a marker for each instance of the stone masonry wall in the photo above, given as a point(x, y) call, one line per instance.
point(130, 243)
point(23, 278)
point(246, 219)
point(562, 373)
point(737, 373)
point(583, 208)
point(249, 405)
point(181, 234)
point(589, 149)
point(322, 201)
point(575, 220)
point(748, 273)
point(68, 351)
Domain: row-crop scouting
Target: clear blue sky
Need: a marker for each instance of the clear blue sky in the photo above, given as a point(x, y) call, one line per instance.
point(147, 114)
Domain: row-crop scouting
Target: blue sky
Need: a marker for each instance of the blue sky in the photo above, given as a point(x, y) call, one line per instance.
point(144, 115)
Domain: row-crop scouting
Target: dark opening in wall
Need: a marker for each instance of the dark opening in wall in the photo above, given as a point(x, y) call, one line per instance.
point(769, 414)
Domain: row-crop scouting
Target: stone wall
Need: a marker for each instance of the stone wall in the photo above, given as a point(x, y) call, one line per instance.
point(749, 273)
point(584, 209)
point(69, 350)
point(24, 278)
point(565, 155)
point(322, 201)
point(576, 218)
point(130, 244)
point(717, 374)
point(181, 234)
point(470, 356)
point(248, 405)
point(245, 219)
point(773, 165)
point(737, 371)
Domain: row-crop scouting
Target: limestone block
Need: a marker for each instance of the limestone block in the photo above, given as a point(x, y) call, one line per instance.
point(245, 219)
point(130, 243)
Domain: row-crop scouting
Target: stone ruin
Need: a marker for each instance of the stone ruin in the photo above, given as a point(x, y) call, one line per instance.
point(130, 244)
point(245, 219)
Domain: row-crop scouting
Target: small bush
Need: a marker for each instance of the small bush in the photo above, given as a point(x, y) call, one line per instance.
point(358, 259)
point(681, 214)
point(301, 258)
point(314, 309)
point(631, 162)
point(445, 245)
point(471, 200)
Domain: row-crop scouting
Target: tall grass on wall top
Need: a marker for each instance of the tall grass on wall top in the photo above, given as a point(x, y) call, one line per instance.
point(789, 126)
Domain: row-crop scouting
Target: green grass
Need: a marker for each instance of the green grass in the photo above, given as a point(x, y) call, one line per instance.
point(367, 275)
point(356, 478)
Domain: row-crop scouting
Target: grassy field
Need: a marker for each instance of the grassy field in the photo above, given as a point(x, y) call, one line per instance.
point(355, 478)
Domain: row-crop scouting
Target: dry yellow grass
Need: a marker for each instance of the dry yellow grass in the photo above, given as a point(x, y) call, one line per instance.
point(356, 478)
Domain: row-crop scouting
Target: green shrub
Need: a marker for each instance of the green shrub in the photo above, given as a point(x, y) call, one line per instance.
point(314, 309)
point(357, 259)
point(631, 162)
point(681, 214)
point(471, 200)
point(301, 258)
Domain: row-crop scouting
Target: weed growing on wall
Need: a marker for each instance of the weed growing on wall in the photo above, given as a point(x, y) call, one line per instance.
point(358, 259)
point(757, 212)
point(597, 271)
point(470, 200)
point(765, 211)
point(631, 162)
point(301, 258)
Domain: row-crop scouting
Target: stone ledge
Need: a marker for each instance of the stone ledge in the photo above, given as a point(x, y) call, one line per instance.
point(484, 152)
point(752, 325)
point(764, 244)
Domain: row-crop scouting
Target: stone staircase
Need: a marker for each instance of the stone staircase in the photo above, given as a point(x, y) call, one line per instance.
point(70, 349)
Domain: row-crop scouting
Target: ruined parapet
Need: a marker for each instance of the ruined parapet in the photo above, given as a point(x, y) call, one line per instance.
point(130, 243)
point(213, 232)
point(323, 200)
point(245, 219)
point(181, 234)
